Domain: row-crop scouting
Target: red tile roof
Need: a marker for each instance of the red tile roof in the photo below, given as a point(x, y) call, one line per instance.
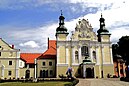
point(51, 51)
point(52, 43)
point(29, 57)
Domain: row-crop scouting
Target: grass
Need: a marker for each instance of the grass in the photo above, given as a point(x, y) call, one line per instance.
point(49, 83)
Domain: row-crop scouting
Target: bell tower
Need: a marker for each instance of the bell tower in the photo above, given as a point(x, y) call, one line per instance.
point(103, 33)
point(61, 31)
point(62, 50)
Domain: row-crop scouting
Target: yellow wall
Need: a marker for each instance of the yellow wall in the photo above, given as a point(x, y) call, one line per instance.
point(62, 54)
point(108, 69)
point(23, 72)
point(61, 70)
point(46, 67)
point(61, 37)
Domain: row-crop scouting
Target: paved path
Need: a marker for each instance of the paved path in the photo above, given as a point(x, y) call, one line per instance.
point(102, 82)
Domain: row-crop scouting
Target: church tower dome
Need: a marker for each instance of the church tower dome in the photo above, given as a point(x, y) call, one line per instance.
point(103, 33)
point(61, 28)
point(102, 26)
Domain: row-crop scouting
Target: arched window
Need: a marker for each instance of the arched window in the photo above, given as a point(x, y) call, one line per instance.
point(76, 54)
point(84, 51)
point(94, 54)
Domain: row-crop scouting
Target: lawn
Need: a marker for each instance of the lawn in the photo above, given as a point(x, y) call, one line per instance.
point(57, 83)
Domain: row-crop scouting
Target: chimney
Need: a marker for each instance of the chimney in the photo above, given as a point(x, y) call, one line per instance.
point(12, 46)
point(48, 42)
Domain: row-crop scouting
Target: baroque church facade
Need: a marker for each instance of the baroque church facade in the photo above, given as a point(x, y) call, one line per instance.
point(89, 55)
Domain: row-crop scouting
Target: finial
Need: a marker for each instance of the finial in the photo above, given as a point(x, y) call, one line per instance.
point(101, 15)
point(61, 13)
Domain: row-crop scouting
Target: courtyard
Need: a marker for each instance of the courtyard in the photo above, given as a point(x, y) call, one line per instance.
point(102, 82)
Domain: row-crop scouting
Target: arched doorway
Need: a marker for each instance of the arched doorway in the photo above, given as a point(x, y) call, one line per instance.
point(43, 73)
point(89, 73)
point(27, 74)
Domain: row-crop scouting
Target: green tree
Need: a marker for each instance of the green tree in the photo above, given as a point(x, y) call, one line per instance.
point(123, 50)
point(115, 51)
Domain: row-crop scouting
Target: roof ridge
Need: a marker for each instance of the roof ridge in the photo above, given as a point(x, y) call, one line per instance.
point(52, 47)
point(31, 53)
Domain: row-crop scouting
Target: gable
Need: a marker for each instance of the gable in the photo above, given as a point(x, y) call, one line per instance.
point(84, 31)
point(5, 46)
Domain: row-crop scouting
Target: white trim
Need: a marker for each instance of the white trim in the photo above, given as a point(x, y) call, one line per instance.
point(108, 63)
point(67, 52)
point(2, 71)
point(58, 55)
point(62, 64)
point(84, 71)
point(75, 64)
point(79, 55)
point(97, 57)
point(73, 55)
point(91, 54)
point(110, 50)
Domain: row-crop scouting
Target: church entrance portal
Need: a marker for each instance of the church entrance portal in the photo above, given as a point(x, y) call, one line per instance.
point(88, 70)
point(89, 73)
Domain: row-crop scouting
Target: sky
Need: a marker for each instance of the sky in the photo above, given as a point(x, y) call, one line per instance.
point(27, 24)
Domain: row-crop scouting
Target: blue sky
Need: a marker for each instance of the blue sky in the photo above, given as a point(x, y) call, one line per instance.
point(28, 23)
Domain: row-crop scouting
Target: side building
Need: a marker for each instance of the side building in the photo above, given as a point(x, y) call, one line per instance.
point(39, 65)
point(46, 63)
point(9, 61)
point(88, 54)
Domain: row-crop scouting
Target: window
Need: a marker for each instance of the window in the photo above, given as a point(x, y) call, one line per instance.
point(43, 63)
point(51, 72)
point(50, 63)
point(20, 63)
point(84, 51)
point(10, 62)
point(76, 54)
point(0, 53)
point(94, 54)
point(9, 73)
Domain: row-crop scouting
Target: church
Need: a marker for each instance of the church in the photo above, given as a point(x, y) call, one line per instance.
point(87, 53)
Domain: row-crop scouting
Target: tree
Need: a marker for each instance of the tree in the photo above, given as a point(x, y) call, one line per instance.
point(123, 50)
point(115, 51)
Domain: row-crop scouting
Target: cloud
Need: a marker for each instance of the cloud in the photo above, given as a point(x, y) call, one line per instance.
point(31, 44)
point(118, 33)
point(114, 12)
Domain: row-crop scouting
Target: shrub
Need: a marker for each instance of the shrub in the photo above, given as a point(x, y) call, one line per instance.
point(127, 79)
point(73, 83)
point(122, 79)
point(0, 80)
point(68, 84)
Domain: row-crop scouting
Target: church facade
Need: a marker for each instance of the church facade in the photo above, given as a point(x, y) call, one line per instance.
point(89, 55)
